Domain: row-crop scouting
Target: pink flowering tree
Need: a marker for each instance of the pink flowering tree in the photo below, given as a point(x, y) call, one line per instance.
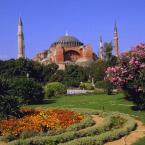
point(129, 74)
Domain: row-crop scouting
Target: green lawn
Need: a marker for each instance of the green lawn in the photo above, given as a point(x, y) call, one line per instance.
point(109, 103)
point(101, 101)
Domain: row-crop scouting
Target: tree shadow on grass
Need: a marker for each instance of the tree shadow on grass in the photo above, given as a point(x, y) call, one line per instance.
point(136, 108)
point(46, 101)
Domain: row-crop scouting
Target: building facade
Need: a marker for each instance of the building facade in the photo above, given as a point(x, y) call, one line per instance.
point(66, 50)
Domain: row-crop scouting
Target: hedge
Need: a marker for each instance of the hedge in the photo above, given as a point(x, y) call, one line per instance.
point(87, 86)
point(54, 89)
point(106, 136)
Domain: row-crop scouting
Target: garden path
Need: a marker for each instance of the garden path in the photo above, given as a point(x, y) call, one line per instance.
point(2, 143)
point(132, 137)
point(97, 119)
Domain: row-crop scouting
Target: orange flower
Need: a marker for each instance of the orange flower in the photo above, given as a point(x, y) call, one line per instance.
point(39, 120)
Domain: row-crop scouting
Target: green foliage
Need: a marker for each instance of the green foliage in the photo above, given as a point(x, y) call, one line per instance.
point(108, 50)
point(106, 85)
point(9, 104)
point(100, 84)
point(109, 135)
point(25, 67)
point(140, 141)
point(71, 76)
point(27, 90)
point(28, 133)
point(86, 122)
point(74, 74)
point(113, 61)
point(87, 86)
point(58, 76)
point(54, 89)
point(97, 70)
point(4, 86)
point(48, 71)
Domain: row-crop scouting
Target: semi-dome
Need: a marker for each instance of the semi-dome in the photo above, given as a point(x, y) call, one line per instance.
point(67, 41)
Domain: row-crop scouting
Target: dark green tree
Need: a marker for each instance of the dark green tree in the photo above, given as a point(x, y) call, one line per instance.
point(27, 90)
point(25, 67)
point(97, 70)
point(74, 74)
point(58, 76)
point(9, 104)
point(110, 59)
point(108, 50)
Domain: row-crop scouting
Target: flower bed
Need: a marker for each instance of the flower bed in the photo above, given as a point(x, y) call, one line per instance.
point(114, 126)
point(39, 120)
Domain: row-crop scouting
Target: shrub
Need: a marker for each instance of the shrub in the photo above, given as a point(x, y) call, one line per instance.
point(27, 90)
point(54, 89)
point(87, 86)
point(9, 104)
point(106, 85)
point(129, 75)
point(105, 136)
point(73, 75)
point(100, 84)
point(86, 122)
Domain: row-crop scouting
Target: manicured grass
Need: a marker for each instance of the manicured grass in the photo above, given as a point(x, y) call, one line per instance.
point(140, 142)
point(99, 102)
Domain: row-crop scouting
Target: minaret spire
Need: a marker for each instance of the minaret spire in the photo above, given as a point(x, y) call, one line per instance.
point(20, 21)
point(66, 33)
point(116, 53)
point(101, 51)
point(115, 27)
point(20, 39)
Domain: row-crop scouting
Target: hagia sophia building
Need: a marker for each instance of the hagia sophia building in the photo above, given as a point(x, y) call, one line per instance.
point(66, 50)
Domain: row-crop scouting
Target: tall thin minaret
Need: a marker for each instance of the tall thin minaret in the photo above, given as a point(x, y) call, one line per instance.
point(101, 51)
point(116, 49)
point(20, 39)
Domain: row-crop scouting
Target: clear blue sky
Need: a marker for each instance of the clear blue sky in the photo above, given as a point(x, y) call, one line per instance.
point(45, 20)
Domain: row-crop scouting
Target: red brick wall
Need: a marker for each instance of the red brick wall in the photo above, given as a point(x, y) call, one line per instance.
point(59, 54)
point(88, 52)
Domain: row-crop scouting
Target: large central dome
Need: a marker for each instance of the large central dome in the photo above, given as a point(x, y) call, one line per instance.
point(67, 41)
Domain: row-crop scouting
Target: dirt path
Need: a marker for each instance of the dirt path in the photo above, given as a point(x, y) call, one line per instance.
point(132, 137)
point(2, 143)
point(129, 139)
point(97, 119)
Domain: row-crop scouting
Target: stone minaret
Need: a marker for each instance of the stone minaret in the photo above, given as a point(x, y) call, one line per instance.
point(101, 51)
point(20, 39)
point(116, 41)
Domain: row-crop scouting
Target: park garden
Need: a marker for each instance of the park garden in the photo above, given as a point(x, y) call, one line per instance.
point(35, 108)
